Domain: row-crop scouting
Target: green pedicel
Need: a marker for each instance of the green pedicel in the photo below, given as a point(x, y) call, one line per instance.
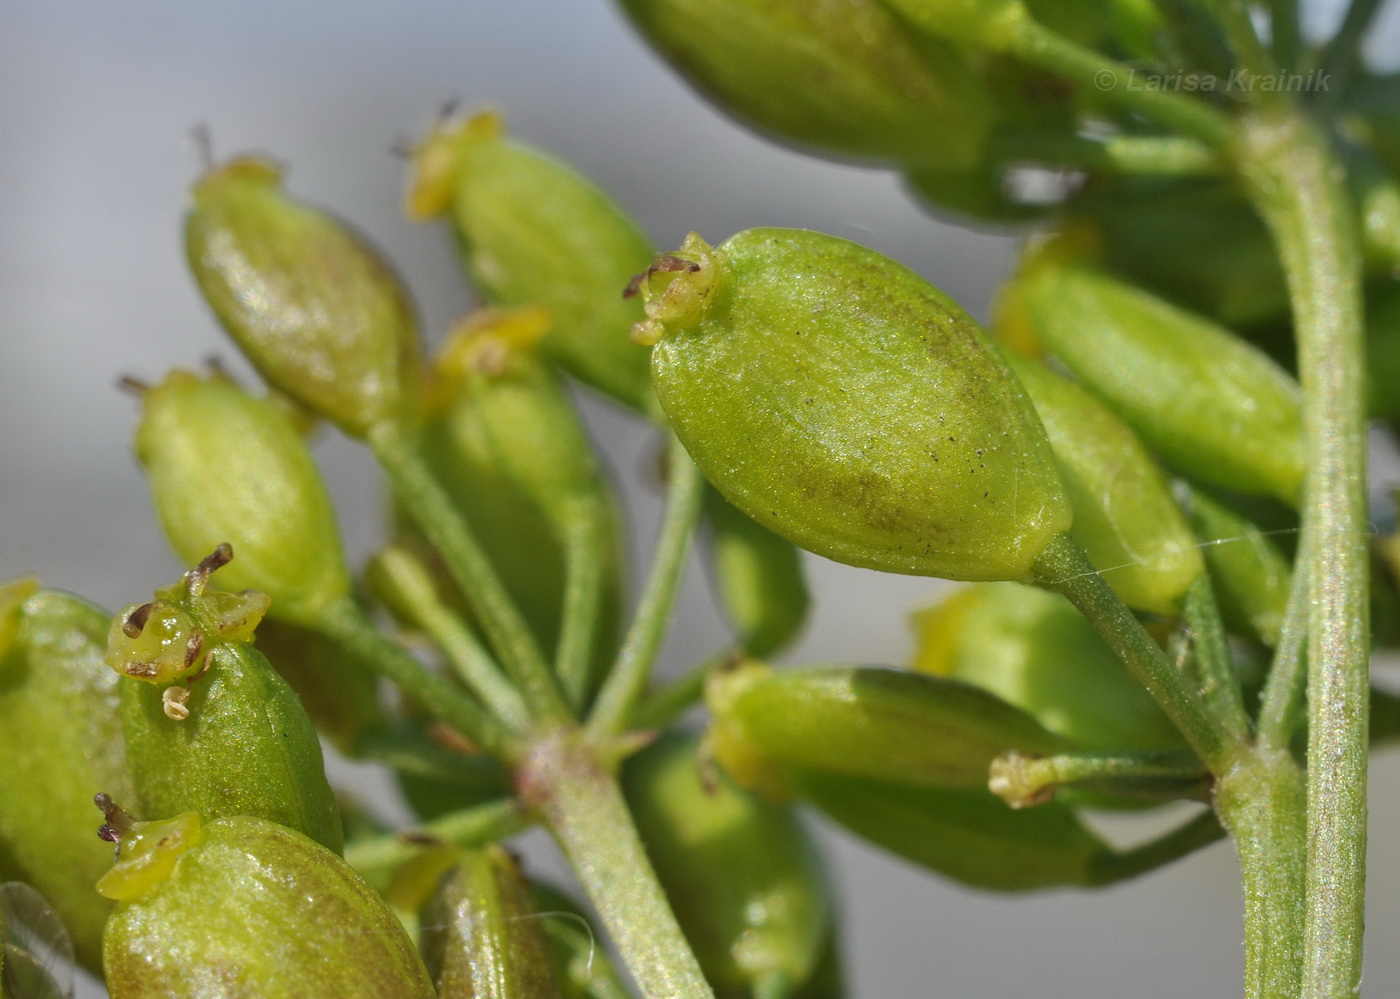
point(1124, 513)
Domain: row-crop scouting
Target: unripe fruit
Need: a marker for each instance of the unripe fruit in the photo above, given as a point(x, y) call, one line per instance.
point(849, 406)
point(226, 467)
point(312, 304)
point(242, 907)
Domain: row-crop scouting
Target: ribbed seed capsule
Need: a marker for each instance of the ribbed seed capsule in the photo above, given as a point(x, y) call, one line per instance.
point(741, 874)
point(312, 304)
point(758, 577)
point(1124, 513)
point(340, 695)
point(1033, 649)
point(1206, 401)
point(885, 724)
point(534, 233)
point(243, 908)
point(849, 406)
point(970, 836)
point(246, 747)
point(63, 743)
point(233, 739)
point(838, 76)
point(226, 467)
point(481, 936)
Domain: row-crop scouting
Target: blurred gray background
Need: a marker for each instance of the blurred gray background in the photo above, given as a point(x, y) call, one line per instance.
point(97, 102)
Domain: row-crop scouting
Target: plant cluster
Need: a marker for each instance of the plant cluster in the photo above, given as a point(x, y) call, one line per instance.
point(1150, 469)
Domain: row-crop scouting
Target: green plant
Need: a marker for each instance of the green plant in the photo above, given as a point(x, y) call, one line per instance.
point(811, 392)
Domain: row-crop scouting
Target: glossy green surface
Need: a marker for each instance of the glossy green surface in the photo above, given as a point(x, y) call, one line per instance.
point(880, 723)
point(1203, 399)
point(849, 406)
point(247, 748)
point(257, 910)
point(1124, 513)
point(226, 467)
point(306, 298)
point(835, 76)
point(481, 936)
point(1032, 648)
point(63, 744)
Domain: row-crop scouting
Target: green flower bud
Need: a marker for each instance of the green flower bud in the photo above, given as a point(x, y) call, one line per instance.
point(971, 836)
point(882, 723)
point(63, 743)
point(1202, 398)
point(1034, 650)
point(849, 406)
point(843, 77)
point(535, 233)
point(742, 876)
point(978, 194)
point(1251, 576)
point(759, 579)
point(242, 907)
point(225, 467)
point(1124, 513)
point(481, 936)
point(233, 739)
point(310, 302)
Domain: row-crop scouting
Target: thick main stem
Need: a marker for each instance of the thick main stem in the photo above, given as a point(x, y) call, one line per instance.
point(1260, 802)
point(581, 804)
point(1297, 186)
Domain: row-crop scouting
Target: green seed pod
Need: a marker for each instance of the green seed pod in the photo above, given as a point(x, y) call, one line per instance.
point(512, 451)
point(242, 907)
point(759, 579)
point(233, 739)
point(881, 723)
point(1202, 398)
point(743, 877)
point(1034, 650)
point(1251, 576)
point(842, 76)
point(245, 747)
point(481, 936)
point(535, 233)
point(226, 467)
point(311, 303)
point(849, 406)
point(1124, 513)
point(63, 743)
point(970, 836)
